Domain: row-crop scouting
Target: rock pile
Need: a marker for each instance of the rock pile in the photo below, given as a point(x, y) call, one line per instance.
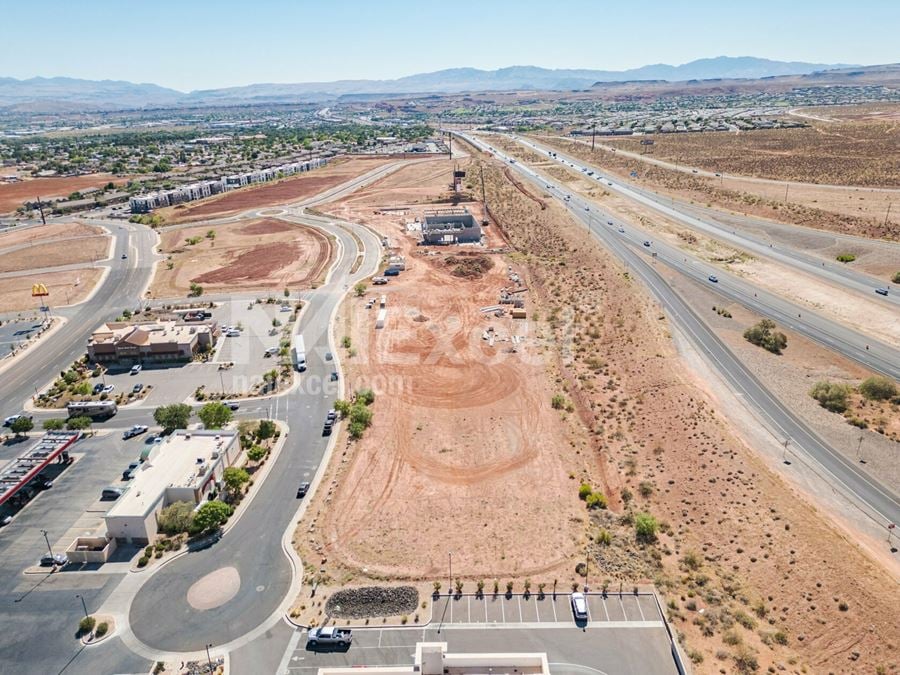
point(372, 601)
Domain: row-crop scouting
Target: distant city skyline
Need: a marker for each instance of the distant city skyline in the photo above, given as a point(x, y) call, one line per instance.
point(204, 45)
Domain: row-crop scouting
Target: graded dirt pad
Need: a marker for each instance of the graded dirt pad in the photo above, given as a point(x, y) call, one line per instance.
point(858, 211)
point(21, 236)
point(281, 192)
point(465, 452)
point(13, 195)
point(55, 253)
point(748, 569)
point(253, 254)
point(15, 292)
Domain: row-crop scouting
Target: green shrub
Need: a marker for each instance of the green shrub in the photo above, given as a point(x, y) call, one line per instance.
point(878, 388)
point(831, 395)
point(846, 258)
point(604, 537)
point(54, 424)
point(143, 560)
point(645, 526)
point(584, 491)
point(356, 430)
point(102, 629)
point(86, 625)
point(346, 342)
point(558, 402)
point(596, 500)
point(176, 518)
point(764, 335)
point(366, 396)
point(896, 278)
point(360, 414)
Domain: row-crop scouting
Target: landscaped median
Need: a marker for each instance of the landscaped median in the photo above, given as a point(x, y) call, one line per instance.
point(94, 629)
point(183, 527)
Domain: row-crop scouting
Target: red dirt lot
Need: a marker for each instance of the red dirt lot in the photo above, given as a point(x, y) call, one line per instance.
point(249, 254)
point(13, 195)
point(17, 236)
point(282, 192)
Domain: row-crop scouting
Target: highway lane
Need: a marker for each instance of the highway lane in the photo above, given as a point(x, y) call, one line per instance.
point(878, 500)
point(863, 349)
point(253, 545)
point(121, 289)
point(834, 272)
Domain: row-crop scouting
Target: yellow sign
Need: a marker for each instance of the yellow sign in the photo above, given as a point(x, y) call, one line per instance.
point(39, 290)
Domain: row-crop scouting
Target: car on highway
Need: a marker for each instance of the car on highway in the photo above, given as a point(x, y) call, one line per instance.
point(621, 229)
point(713, 278)
point(609, 222)
point(647, 244)
point(302, 490)
point(124, 256)
point(881, 291)
point(718, 174)
point(587, 208)
point(609, 183)
point(108, 389)
point(136, 368)
point(232, 405)
point(53, 559)
point(579, 606)
point(136, 430)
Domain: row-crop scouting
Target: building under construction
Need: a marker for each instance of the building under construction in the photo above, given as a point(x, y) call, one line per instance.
point(450, 226)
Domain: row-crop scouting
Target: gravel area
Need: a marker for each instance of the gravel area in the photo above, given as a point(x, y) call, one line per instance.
point(372, 601)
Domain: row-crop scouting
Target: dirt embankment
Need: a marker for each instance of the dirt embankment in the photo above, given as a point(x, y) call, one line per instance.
point(280, 192)
point(751, 574)
point(259, 254)
point(860, 214)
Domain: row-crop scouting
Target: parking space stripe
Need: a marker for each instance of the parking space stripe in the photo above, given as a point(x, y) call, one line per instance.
point(605, 611)
point(484, 602)
point(638, 602)
point(554, 609)
point(519, 605)
point(622, 605)
point(469, 608)
point(537, 611)
point(503, 611)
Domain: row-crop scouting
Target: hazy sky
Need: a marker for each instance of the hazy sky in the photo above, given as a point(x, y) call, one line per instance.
point(193, 44)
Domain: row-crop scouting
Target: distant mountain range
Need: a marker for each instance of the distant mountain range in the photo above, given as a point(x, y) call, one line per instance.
point(63, 93)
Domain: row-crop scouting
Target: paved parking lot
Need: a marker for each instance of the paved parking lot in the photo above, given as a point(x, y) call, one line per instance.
point(518, 609)
point(175, 383)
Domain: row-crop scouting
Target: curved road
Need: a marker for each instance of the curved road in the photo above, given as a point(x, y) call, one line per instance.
point(880, 502)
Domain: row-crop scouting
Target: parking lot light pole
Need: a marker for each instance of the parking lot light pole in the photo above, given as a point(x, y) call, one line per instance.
point(83, 605)
point(44, 532)
point(208, 659)
point(450, 587)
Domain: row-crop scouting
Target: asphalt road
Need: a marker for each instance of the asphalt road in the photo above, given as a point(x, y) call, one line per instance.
point(706, 221)
point(119, 291)
point(880, 501)
point(863, 349)
point(160, 615)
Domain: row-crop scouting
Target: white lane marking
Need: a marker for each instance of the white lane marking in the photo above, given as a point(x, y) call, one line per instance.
point(286, 658)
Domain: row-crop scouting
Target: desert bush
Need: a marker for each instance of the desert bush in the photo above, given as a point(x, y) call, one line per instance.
point(745, 661)
point(846, 257)
point(86, 625)
point(831, 395)
point(878, 388)
point(645, 526)
point(764, 335)
point(366, 396)
point(176, 518)
point(596, 500)
point(102, 629)
point(584, 491)
point(558, 402)
point(604, 537)
point(896, 278)
point(143, 560)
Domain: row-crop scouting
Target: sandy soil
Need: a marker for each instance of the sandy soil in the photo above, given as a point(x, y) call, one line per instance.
point(462, 430)
point(19, 236)
point(55, 253)
point(250, 254)
point(855, 211)
point(281, 192)
point(15, 292)
point(12, 195)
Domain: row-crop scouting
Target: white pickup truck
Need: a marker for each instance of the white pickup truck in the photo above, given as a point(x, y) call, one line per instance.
point(329, 635)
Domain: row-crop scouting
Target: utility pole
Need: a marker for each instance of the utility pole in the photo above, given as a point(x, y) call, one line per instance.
point(83, 605)
point(887, 214)
point(784, 452)
point(44, 532)
point(587, 567)
point(41, 208)
point(593, 135)
point(222, 380)
point(450, 145)
point(786, 188)
point(858, 446)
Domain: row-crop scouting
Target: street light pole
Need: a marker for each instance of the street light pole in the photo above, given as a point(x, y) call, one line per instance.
point(208, 658)
point(44, 532)
point(83, 605)
point(450, 587)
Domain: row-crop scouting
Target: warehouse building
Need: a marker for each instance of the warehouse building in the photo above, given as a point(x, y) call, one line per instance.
point(186, 467)
point(450, 226)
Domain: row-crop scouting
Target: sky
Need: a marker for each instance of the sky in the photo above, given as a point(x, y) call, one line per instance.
point(198, 44)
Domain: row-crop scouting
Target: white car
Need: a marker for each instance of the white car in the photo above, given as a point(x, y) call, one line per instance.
point(108, 389)
point(233, 333)
point(579, 606)
point(136, 368)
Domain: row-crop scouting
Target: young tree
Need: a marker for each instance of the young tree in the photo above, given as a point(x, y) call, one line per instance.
point(22, 426)
point(878, 388)
point(366, 396)
point(55, 424)
point(265, 430)
point(171, 417)
point(645, 526)
point(235, 478)
point(342, 407)
point(831, 395)
point(359, 289)
point(764, 335)
point(215, 415)
point(256, 453)
point(210, 516)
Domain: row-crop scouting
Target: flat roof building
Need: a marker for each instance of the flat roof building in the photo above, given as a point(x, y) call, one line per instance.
point(450, 226)
point(150, 341)
point(183, 468)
